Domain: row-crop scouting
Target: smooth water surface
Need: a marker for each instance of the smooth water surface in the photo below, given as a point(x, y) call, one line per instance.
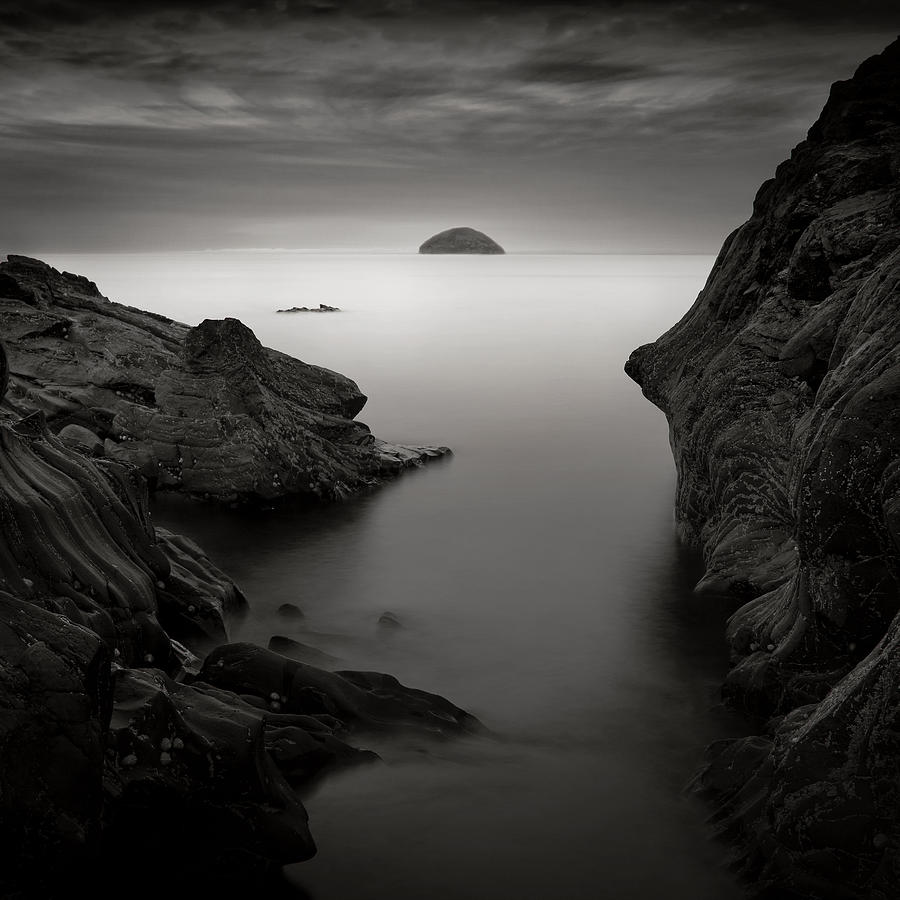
point(535, 571)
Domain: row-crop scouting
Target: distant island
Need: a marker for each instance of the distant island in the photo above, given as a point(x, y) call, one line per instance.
point(461, 240)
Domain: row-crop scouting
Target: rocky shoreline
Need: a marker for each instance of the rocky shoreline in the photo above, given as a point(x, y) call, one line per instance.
point(134, 737)
point(782, 390)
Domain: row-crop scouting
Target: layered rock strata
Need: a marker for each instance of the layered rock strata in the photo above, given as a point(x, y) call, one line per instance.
point(207, 411)
point(782, 389)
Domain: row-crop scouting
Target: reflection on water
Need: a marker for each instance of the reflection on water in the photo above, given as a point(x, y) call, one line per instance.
point(535, 572)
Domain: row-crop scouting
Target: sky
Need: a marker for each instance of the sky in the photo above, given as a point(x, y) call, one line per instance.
point(372, 124)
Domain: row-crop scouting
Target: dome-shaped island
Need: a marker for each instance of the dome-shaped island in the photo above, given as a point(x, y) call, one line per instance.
point(461, 240)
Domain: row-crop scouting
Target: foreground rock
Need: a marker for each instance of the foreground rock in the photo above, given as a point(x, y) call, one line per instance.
point(207, 411)
point(121, 750)
point(461, 240)
point(782, 389)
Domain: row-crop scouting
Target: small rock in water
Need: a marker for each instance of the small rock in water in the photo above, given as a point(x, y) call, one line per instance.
point(389, 620)
point(290, 611)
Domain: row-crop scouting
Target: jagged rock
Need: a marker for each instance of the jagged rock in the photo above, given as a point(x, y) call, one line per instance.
point(368, 699)
point(322, 307)
point(207, 411)
point(782, 389)
point(55, 701)
point(460, 240)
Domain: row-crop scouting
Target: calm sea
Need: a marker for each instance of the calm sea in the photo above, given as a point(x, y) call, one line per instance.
point(535, 572)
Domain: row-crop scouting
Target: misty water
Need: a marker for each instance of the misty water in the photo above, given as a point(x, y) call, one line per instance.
point(535, 571)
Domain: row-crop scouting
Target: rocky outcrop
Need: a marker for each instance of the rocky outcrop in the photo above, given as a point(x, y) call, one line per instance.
point(322, 307)
point(122, 749)
point(461, 240)
point(782, 390)
point(207, 411)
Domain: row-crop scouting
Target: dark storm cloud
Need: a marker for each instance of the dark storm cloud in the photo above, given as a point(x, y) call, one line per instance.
point(272, 104)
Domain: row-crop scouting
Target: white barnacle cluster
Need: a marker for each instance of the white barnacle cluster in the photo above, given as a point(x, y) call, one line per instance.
point(276, 701)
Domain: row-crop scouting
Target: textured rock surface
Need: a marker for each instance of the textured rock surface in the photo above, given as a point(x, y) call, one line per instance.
point(77, 540)
point(782, 390)
point(121, 750)
point(368, 700)
point(55, 701)
point(208, 410)
point(460, 240)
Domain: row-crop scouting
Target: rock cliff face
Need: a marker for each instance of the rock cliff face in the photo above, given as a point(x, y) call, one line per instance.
point(782, 390)
point(207, 411)
point(461, 240)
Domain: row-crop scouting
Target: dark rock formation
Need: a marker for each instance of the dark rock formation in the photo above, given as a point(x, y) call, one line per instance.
point(55, 698)
point(77, 541)
point(366, 700)
point(208, 410)
point(461, 240)
point(782, 389)
point(121, 750)
point(322, 307)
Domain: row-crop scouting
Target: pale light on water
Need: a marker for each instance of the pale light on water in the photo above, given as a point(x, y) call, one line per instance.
point(535, 572)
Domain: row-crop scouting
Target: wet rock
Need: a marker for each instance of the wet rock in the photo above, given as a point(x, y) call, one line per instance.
point(207, 411)
point(192, 777)
point(358, 699)
point(55, 699)
point(460, 240)
point(782, 390)
point(295, 650)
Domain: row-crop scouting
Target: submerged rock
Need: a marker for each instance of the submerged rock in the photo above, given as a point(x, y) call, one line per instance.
point(461, 240)
point(782, 390)
point(290, 611)
point(207, 411)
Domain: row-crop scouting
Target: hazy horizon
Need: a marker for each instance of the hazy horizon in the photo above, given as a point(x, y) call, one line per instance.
point(589, 127)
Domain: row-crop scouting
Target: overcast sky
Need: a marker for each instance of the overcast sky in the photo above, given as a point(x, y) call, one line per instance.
point(593, 126)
